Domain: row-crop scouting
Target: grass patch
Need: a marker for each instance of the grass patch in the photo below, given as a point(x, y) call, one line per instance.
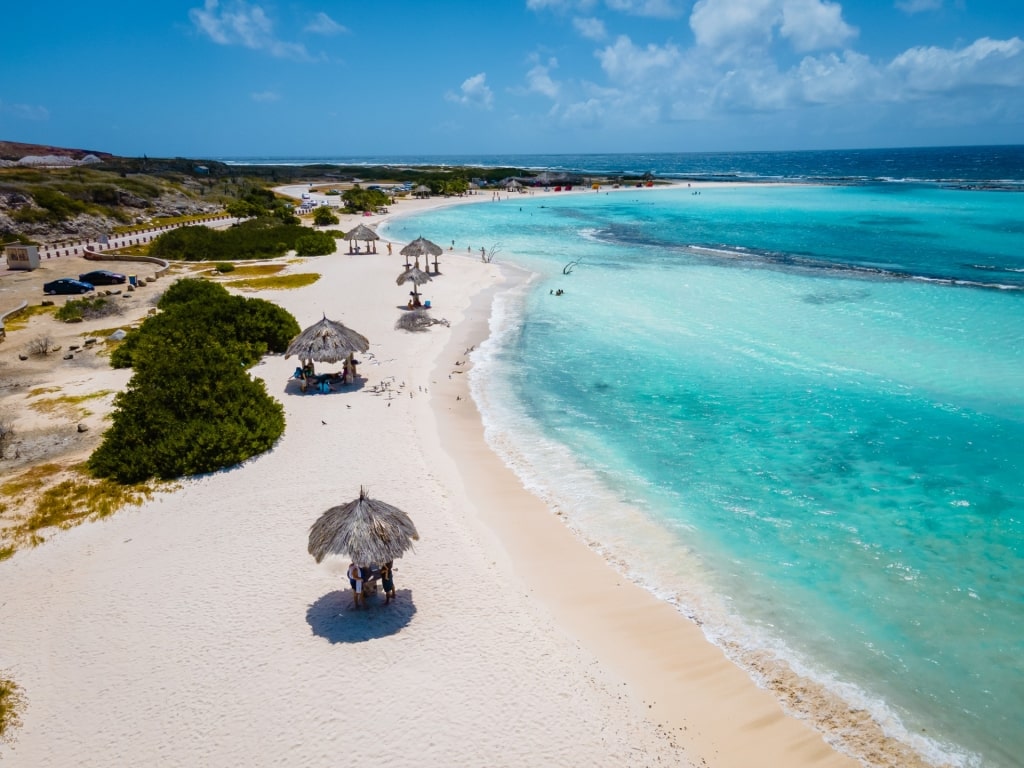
point(281, 282)
point(30, 480)
point(159, 222)
point(19, 321)
point(63, 503)
point(68, 406)
point(257, 270)
point(40, 391)
point(12, 704)
point(141, 249)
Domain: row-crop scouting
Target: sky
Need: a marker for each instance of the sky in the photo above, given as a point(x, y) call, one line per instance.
point(221, 79)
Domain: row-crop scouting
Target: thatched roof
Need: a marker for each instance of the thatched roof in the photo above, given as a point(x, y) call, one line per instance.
point(362, 232)
point(370, 532)
point(413, 275)
point(421, 247)
point(327, 341)
point(417, 320)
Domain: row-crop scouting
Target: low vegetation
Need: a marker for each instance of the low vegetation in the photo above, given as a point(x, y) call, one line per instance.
point(69, 406)
point(42, 345)
point(75, 497)
point(280, 282)
point(262, 238)
point(77, 310)
point(19, 321)
point(7, 432)
point(12, 703)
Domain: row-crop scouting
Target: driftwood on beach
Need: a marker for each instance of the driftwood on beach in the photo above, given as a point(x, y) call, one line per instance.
point(417, 320)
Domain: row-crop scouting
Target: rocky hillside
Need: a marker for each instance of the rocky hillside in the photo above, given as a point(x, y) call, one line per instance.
point(50, 203)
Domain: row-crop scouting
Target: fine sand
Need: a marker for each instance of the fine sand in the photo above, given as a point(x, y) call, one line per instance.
point(196, 630)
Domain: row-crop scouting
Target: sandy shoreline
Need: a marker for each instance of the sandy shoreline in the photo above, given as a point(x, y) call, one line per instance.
point(196, 630)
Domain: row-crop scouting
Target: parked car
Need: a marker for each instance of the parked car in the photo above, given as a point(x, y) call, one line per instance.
point(103, 277)
point(67, 285)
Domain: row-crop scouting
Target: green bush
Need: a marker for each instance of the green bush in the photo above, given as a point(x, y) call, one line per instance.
point(262, 238)
point(315, 244)
point(224, 267)
point(324, 216)
point(250, 327)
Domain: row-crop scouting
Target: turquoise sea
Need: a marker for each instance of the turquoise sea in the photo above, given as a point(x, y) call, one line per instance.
point(797, 412)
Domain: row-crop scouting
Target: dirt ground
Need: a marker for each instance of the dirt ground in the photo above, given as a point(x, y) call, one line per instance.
point(54, 406)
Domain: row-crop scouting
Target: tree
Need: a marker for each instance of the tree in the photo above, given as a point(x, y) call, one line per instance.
point(316, 244)
point(324, 216)
point(359, 199)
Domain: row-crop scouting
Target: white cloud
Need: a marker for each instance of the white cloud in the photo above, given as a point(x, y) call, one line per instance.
point(812, 25)
point(248, 26)
point(659, 9)
point(727, 23)
point(628, 64)
point(474, 91)
point(835, 79)
point(322, 24)
point(559, 5)
point(266, 96)
point(32, 112)
point(590, 28)
point(985, 62)
point(918, 6)
point(538, 80)
point(730, 26)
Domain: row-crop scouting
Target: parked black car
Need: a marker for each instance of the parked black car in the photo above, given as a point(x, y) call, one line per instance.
point(103, 277)
point(67, 285)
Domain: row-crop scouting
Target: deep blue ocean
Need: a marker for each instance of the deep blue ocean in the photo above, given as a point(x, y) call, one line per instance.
point(794, 410)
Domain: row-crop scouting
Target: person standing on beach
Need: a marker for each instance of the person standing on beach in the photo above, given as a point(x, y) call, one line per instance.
point(355, 579)
point(387, 580)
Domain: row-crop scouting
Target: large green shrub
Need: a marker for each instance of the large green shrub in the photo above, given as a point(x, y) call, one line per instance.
point(249, 327)
point(189, 408)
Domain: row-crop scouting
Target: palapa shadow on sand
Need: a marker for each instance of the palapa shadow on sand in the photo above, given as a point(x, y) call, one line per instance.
point(333, 617)
point(294, 387)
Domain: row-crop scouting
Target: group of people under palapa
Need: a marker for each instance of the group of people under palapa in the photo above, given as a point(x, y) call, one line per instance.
point(324, 382)
point(363, 580)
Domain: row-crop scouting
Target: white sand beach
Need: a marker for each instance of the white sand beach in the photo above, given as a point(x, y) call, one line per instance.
point(196, 630)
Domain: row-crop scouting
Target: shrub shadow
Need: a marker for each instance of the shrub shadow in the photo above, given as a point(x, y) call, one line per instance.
point(333, 617)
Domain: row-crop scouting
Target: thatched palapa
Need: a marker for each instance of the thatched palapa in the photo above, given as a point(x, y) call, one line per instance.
point(369, 531)
point(328, 341)
point(417, 277)
point(365, 234)
point(421, 247)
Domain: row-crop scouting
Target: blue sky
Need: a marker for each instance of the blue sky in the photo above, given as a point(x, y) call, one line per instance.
point(284, 78)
